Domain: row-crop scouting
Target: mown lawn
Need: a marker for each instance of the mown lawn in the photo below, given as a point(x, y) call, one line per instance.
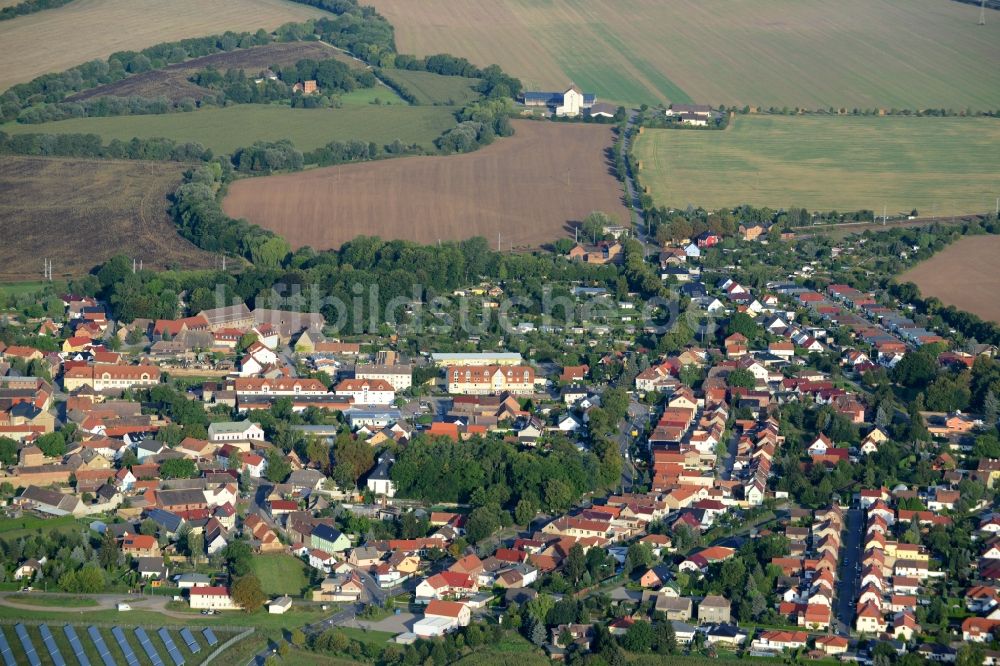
point(430, 88)
point(226, 129)
point(377, 95)
point(15, 528)
point(845, 163)
point(281, 574)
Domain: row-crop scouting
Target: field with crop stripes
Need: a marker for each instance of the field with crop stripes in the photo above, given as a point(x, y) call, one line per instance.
point(807, 53)
point(936, 165)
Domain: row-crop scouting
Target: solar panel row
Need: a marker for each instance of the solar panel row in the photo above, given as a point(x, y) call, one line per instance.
point(76, 645)
point(50, 645)
point(147, 645)
point(101, 646)
point(6, 652)
point(29, 647)
point(209, 636)
point(191, 642)
point(172, 650)
point(130, 657)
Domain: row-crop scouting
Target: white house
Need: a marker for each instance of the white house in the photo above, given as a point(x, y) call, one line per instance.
point(571, 102)
point(279, 605)
point(367, 391)
point(27, 569)
point(441, 617)
point(379, 481)
point(819, 446)
point(212, 598)
point(257, 359)
point(235, 431)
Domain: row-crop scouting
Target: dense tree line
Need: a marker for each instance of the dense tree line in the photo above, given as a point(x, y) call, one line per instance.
point(200, 218)
point(107, 105)
point(30, 7)
point(355, 150)
point(89, 145)
point(968, 324)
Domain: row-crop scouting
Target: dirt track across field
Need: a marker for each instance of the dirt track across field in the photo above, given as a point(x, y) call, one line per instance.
point(529, 188)
point(964, 274)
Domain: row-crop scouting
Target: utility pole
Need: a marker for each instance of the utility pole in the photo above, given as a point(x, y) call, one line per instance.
point(982, 12)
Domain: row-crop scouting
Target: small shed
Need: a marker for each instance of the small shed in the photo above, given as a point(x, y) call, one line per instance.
point(279, 605)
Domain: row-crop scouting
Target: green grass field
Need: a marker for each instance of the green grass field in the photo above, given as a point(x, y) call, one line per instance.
point(15, 528)
point(226, 129)
point(430, 88)
point(942, 165)
point(807, 53)
point(281, 574)
point(372, 96)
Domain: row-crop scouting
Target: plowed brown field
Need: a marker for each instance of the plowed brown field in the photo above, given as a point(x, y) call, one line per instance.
point(79, 213)
point(529, 188)
point(964, 274)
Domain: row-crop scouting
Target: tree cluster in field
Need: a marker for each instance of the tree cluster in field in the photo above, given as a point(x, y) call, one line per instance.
point(90, 145)
point(479, 123)
point(30, 7)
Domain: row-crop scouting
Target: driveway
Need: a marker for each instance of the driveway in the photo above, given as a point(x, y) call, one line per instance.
point(394, 624)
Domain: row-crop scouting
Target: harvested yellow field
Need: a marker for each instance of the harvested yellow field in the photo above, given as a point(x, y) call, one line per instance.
point(56, 39)
point(807, 53)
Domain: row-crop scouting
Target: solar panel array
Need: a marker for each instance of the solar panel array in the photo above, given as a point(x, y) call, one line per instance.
point(130, 657)
point(76, 645)
point(29, 647)
point(50, 645)
point(147, 645)
point(101, 646)
point(191, 642)
point(209, 636)
point(5, 651)
point(172, 650)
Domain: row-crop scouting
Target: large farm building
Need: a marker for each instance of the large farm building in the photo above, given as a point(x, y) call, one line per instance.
point(571, 102)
